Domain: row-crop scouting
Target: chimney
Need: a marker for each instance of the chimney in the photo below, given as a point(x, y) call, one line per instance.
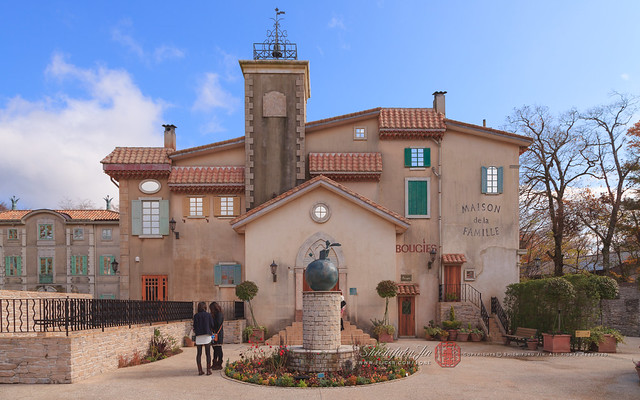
point(438, 102)
point(170, 136)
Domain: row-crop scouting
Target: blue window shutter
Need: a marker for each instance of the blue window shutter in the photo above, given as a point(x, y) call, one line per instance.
point(484, 179)
point(407, 157)
point(19, 263)
point(164, 217)
point(84, 265)
point(237, 274)
point(136, 217)
point(500, 174)
point(217, 274)
point(427, 157)
point(73, 265)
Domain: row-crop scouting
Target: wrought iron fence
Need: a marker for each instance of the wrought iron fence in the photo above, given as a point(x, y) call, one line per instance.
point(64, 315)
point(232, 309)
point(496, 308)
point(464, 292)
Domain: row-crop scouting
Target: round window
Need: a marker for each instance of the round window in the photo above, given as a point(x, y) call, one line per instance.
point(149, 186)
point(320, 212)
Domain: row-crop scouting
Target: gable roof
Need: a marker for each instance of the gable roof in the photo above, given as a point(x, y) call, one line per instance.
point(401, 223)
point(212, 179)
point(211, 147)
point(410, 123)
point(72, 215)
point(131, 161)
point(346, 166)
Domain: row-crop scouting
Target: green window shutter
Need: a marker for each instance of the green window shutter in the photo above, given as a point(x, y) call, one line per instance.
point(136, 217)
point(84, 265)
point(407, 157)
point(484, 180)
point(427, 157)
point(19, 263)
point(7, 265)
point(417, 197)
point(164, 217)
point(101, 265)
point(73, 265)
point(217, 274)
point(500, 173)
point(237, 274)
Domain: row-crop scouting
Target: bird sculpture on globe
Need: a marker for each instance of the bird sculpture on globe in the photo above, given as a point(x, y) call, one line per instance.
point(322, 274)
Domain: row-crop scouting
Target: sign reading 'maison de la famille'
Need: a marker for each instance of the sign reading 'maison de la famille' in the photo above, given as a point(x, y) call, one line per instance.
point(480, 225)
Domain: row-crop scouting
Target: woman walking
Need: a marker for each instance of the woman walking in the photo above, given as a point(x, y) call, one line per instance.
point(218, 320)
point(203, 328)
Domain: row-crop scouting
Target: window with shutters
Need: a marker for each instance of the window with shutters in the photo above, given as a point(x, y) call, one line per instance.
point(105, 265)
point(13, 265)
point(227, 274)
point(13, 234)
point(417, 197)
point(195, 207)
point(417, 157)
point(150, 218)
point(45, 272)
point(226, 206)
point(492, 180)
point(78, 265)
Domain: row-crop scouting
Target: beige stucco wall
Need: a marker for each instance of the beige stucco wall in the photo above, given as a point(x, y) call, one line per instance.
point(494, 255)
point(367, 240)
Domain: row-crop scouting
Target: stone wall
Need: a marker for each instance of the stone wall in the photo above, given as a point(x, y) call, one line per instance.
point(321, 320)
point(55, 358)
point(623, 313)
point(233, 330)
point(465, 312)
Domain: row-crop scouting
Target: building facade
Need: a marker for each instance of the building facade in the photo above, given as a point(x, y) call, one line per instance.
point(68, 251)
point(412, 196)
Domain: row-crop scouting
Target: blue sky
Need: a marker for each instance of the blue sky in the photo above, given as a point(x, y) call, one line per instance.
point(82, 77)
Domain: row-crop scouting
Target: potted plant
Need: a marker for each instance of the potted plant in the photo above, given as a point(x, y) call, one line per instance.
point(246, 291)
point(556, 342)
point(431, 331)
point(476, 335)
point(383, 329)
point(604, 339)
point(442, 334)
point(452, 324)
point(463, 333)
point(532, 343)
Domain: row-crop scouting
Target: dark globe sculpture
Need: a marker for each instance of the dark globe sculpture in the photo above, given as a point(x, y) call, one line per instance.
point(322, 274)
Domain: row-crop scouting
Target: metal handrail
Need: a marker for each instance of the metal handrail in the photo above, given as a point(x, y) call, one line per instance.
point(496, 308)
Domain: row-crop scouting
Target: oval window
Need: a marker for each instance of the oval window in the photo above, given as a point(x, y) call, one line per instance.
point(149, 186)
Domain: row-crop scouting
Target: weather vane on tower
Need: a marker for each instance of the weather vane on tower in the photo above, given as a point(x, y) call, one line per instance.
point(276, 46)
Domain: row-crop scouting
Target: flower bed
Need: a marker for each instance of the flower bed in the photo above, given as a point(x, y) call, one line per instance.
point(268, 366)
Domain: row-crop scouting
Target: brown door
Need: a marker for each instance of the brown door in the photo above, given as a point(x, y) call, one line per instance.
point(452, 282)
point(154, 287)
point(406, 316)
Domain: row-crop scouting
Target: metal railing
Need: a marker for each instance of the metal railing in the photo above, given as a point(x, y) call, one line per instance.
point(64, 315)
point(484, 314)
point(464, 293)
point(496, 308)
point(232, 309)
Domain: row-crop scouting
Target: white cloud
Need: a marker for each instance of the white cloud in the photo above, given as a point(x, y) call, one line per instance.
point(625, 77)
point(127, 40)
point(337, 22)
point(161, 53)
point(53, 146)
point(165, 52)
point(211, 95)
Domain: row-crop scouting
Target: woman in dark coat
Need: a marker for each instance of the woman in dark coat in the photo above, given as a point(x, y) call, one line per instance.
point(218, 320)
point(203, 328)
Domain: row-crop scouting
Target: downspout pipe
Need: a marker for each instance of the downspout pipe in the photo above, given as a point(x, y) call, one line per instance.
point(438, 175)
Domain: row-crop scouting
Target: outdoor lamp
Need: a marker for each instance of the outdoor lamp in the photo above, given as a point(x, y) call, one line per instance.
point(172, 226)
point(536, 262)
point(274, 268)
point(114, 266)
point(432, 257)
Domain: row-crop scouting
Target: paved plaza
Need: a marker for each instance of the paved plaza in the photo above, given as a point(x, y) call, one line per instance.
point(486, 371)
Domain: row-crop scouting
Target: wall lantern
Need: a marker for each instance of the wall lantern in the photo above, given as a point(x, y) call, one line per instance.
point(172, 226)
point(536, 262)
point(114, 266)
point(432, 257)
point(274, 270)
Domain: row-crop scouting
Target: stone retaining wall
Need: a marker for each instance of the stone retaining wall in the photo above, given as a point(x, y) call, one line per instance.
point(623, 313)
point(465, 312)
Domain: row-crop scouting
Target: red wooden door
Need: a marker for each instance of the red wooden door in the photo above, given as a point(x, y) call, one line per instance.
point(406, 316)
point(452, 280)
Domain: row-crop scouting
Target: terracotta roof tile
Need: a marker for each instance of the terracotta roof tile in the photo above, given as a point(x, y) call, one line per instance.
point(138, 155)
point(419, 119)
point(345, 162)
point(87, 215)
point(308, 183)
point(484, 128)
point(453, 259)
point(340, 118)
point(206, 175)
point(210, 146)
point(408, 289)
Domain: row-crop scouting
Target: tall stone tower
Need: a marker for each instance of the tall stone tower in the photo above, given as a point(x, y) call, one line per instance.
point(276, 87)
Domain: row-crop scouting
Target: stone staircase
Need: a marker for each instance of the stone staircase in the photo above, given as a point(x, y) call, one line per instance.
point(495, 330)
point(292, 336)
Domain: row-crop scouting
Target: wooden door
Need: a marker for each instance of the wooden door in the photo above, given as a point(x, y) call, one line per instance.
point(452, 279)
point(406, 316)
point(154, 288)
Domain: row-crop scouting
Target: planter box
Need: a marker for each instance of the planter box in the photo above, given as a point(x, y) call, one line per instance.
point(257, 336)
point(608, 344)
point(475, 337)
point(385, 338)
point(556, 343)
point(532, 344)
point(453, 334)
point(463, 337)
